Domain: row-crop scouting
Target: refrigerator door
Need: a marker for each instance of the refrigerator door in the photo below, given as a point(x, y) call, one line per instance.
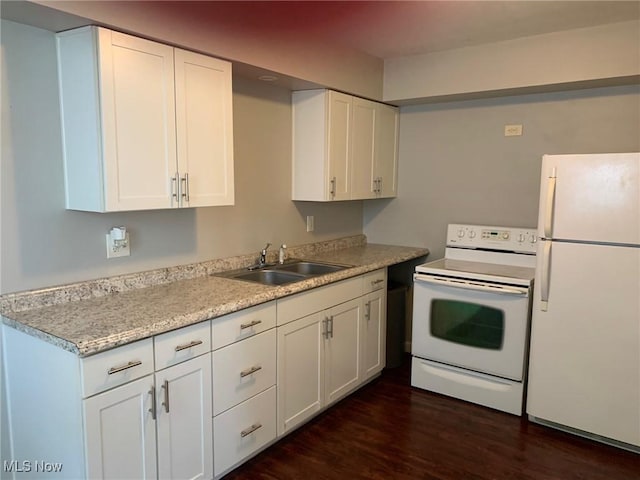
point(584, 366)
point(590, 197)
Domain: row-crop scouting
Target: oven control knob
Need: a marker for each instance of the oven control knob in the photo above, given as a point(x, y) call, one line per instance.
point(460, 233)
point(472, 234)
point(533, 239)
point(521, 238)
point(505, 235)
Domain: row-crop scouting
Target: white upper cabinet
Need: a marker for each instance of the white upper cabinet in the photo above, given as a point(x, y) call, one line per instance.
point(344, 147)
point(145, 125)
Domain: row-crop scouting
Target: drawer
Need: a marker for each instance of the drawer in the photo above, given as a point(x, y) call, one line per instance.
point(374, 281)
point(244, 430)
point(182, 344)
point(115, 367)
point(243, 324)
point(243, 369)
point(306, 303)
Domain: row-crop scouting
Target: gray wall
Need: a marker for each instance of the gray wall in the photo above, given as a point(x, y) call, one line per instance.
point(456, 166)
point(42, 244)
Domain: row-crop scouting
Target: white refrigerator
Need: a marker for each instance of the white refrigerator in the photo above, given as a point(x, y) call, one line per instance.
point(584, 366)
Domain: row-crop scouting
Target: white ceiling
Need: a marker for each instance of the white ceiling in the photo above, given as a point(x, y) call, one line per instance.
point(389, 29)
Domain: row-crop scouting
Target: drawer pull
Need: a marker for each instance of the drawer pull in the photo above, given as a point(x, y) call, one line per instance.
point(377, 282)
point(250, 324)
point(249, 371)
point(121, 368)
point(250, 430)
point(194, 343)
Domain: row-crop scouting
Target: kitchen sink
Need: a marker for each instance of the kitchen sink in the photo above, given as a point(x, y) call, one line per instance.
point(309, 268)
point(289, 272)
point(269, 277)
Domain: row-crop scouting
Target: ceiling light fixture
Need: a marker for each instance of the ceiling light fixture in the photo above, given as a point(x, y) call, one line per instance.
point(268, 78)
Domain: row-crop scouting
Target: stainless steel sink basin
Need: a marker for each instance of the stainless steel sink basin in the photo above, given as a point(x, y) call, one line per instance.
point(270, 277)
point(309, 268)
point(283, 274)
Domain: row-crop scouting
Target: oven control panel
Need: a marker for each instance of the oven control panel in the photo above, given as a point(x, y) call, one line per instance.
point(489, 237)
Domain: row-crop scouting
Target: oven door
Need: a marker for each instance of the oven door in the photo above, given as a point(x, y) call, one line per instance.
point(471, 324)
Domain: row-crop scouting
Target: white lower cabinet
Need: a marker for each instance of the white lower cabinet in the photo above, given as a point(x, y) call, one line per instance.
point(159, 426)
point(184, 420)
point(300, 371)
point(198, 401)
point(120, 432)
point(244, 385)
point(125, 426)
point(325, 355)
point(374, 325)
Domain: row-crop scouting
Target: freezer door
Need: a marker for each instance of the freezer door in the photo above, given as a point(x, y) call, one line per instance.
point(591, 198)
point(584, 365)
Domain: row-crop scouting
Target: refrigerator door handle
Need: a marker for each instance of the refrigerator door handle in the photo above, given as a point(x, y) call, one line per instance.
point(551, 197)
point(545, 276)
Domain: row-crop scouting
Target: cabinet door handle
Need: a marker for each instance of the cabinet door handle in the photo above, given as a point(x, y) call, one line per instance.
point(249, 371)
point(367, 311)
point(165, 388)
point(185, 181)
point(188, 345)
point(152, 410)
point(250, 430)
point(333, 187)
point(175, 188)
point(330, 332)
point(131, 364)
point(253, 323)
point(325, 328)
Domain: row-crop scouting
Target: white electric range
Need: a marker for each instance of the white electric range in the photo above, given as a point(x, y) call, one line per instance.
point(471, 316)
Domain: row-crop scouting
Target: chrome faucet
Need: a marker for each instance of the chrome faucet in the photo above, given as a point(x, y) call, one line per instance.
point(262, 260)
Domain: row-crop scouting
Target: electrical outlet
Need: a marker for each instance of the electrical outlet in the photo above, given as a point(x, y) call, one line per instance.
point(310, 223)
point(123, 250)
point(512, 130)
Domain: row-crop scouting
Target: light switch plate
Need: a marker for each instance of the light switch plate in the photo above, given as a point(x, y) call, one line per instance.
point(512, 130)
point(310, 223)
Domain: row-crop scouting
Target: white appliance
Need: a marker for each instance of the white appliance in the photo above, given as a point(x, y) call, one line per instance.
point(584, 369)
point(471, 316)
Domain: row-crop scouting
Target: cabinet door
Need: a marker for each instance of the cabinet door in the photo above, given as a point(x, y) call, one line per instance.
point(120, 432)
point(204, 126)
point(300, 371)
point(339, 140)
point(386, 151)
point(363, 130)
point(184, 418)
point(342, 363)
point(138, 121)
point(373, 334)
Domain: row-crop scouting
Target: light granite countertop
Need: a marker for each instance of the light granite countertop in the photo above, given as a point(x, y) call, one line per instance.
point(91, 317)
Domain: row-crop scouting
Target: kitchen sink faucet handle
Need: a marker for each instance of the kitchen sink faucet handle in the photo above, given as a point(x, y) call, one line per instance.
point(282, 253)
point(263, 255)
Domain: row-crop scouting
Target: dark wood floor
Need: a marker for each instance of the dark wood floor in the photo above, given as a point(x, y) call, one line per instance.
point(389, 430)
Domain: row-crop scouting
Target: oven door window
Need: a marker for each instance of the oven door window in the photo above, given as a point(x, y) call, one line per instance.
point(467, 323)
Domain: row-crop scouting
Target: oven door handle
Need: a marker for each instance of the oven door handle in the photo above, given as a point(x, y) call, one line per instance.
point(503, 290)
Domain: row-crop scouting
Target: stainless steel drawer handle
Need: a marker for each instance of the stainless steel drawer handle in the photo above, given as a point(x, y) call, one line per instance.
point(249, 371)
point(250, 430)
point(250, 324)
point(133, 363)
point(188, 345)
point(377, 282)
